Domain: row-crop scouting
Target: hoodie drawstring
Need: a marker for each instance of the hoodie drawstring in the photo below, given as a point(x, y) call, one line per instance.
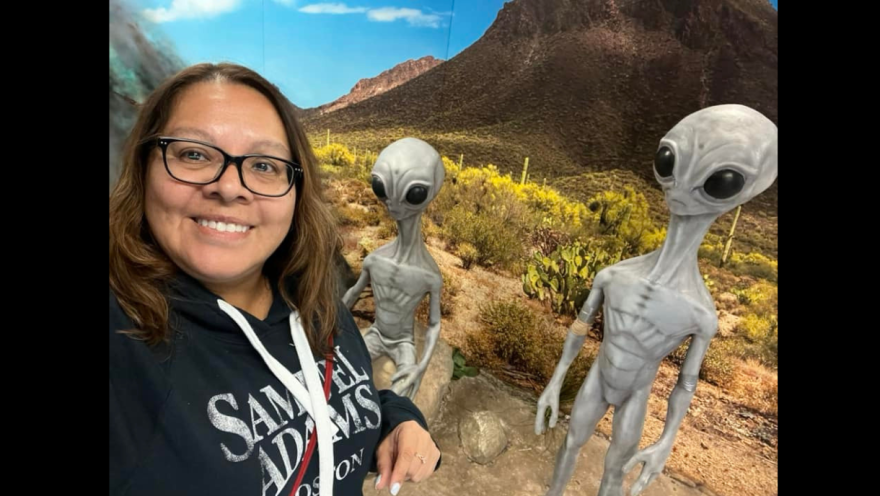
point(312, 399)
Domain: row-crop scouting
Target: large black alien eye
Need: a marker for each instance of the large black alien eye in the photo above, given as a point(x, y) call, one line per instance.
point(724, 184)
point(379, 188)
point(416, 195)
point(664, 162)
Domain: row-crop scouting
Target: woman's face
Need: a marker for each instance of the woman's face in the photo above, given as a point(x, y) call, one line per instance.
point(240, 121)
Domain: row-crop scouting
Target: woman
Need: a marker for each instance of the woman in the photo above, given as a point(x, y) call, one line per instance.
point(224, 313)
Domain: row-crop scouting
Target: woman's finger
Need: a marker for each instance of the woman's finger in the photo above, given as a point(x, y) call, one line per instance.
point(384, 463)
point(432, 455)
point(406, 455)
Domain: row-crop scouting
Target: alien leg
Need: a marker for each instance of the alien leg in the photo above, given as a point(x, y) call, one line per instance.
point(589, 408)
point(626, 433)
point(375, 343)
point(404, 355)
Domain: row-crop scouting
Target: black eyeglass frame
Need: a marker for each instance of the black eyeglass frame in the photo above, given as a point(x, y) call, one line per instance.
point(296, 175)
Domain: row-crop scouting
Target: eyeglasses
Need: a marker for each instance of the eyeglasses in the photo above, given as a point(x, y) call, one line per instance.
point(197, 162)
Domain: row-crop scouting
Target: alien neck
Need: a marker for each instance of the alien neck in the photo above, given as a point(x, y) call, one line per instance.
point(680, 248)
point(409, 240)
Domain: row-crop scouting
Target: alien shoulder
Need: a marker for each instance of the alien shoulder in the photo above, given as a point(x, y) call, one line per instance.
point(603, 276)
point(367, 264)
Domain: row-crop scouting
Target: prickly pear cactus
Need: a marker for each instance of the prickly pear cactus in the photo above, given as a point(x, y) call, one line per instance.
point(564, 277)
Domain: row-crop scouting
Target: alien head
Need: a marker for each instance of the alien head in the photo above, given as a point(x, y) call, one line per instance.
point(407, 175)
point(716, 159)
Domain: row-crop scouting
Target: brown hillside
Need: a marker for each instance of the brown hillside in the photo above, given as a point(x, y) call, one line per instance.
point(580, 85)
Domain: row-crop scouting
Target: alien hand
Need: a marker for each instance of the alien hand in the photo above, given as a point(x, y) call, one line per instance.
point(654, 458)
point(549, 398)
point(407, 380)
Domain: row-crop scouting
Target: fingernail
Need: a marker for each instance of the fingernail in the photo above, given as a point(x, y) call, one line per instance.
point(378, 479)
point(395, 488)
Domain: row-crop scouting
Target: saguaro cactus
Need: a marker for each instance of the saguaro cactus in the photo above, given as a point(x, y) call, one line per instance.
point(729, 242)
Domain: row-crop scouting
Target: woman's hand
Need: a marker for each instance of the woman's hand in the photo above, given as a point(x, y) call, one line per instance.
point(407, 454)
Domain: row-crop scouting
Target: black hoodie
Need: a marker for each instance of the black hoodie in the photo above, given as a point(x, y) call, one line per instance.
point(204, 414)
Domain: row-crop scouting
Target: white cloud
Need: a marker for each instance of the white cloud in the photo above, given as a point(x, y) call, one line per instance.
point(191, 9)
point(414, 17)
point(331, 8)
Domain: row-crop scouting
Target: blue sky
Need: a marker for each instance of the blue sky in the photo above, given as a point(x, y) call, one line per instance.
point(316, 50)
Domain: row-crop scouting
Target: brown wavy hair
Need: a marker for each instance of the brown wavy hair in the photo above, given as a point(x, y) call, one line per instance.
point(140, 270)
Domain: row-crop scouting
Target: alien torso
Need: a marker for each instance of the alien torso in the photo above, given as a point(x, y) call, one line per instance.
point(645, 321)
point(398, 289)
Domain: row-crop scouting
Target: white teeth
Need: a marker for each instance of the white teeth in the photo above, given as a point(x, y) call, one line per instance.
point(223, 226)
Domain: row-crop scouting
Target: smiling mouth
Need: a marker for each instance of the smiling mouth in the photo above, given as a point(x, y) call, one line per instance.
point(223, 226)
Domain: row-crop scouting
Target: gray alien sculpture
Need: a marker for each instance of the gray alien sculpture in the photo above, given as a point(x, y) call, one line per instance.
point(709, 163)
point(407, 176)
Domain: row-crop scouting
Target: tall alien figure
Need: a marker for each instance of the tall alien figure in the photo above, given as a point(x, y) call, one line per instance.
point(407, 176)
point(709, 163)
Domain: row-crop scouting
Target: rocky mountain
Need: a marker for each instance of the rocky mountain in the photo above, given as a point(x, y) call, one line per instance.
point(391, 78)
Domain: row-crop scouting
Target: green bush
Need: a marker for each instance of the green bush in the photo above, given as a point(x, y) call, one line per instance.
point(522, 345)
point(759, 328)
point(451, 287)
point(355, 215)
point(749, 264)
point(468, 254)
point(625, 217)
point(711, 249)
point(334, 154)
point(497, 241)
point(755, 265)
point(719, 363)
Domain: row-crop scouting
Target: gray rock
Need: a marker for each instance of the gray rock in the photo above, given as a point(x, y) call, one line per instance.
point(482, 436)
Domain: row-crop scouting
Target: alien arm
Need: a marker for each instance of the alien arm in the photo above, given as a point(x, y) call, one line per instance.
point(574, 341)
point(683, 392)
point(577, 332)
point(433, 332)
point(351, 296)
